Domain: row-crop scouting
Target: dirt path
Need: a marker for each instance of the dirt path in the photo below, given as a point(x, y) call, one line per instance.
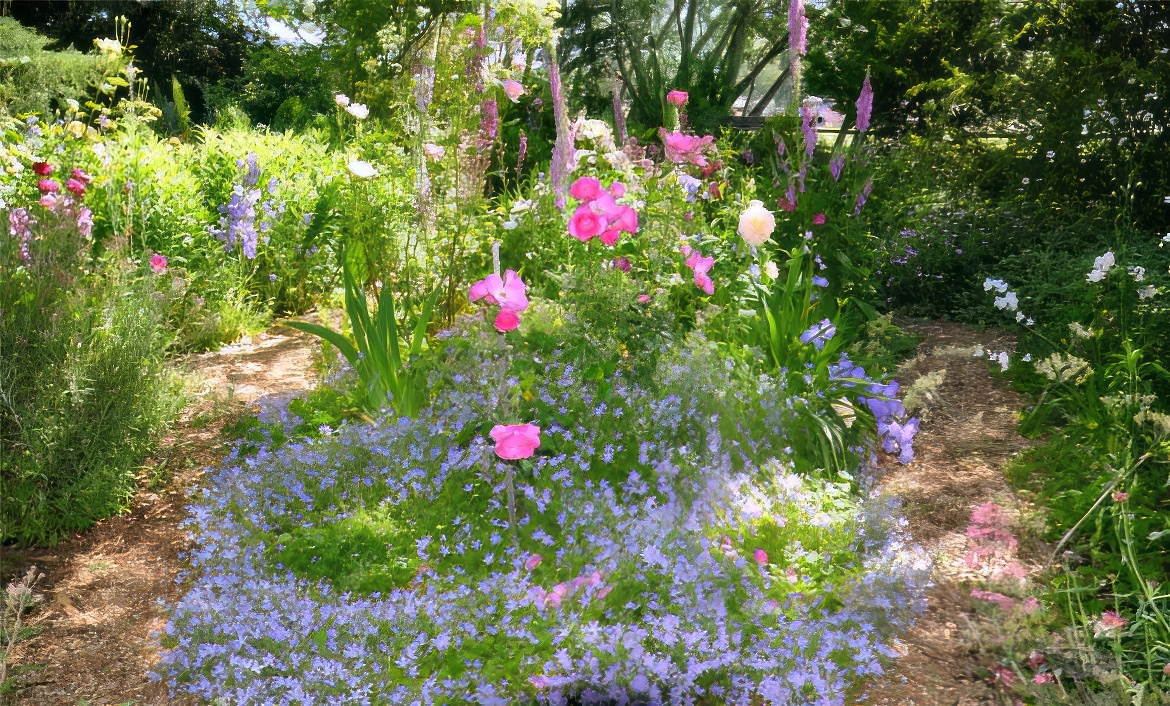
point(967, 437)
point(104, 590)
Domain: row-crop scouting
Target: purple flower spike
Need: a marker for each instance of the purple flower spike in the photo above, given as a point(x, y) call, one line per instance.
point(864, 105)
point(836, 165)
point(797, 28)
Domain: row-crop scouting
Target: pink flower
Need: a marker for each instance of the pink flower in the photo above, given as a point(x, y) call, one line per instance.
point(999, 599)
point(760, 556)
point(611, 236)
point(1109, 624)
point(797, 28)
point(621, 263)
point(81, 176)
point(604, 591)
point(1120, 497)
point(701, 266)
point(1045, 678)
point(1031, 605)
point(507, 292)
point(48, 186)
point(85, 222)
point(617, 190)
point(585, 189)
point(507, 320)
point(76, 187)
point(158, 263)
point(49, 201)
point(515, 441)
point(677, 98)
point(532, 561)
point(644, 299)
point(585, 224)
point(1036, 660)
point(42, 168)
point(514, 89)
point(686, 148)
point(819, 219)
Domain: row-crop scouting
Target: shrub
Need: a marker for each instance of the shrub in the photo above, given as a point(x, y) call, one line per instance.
point(33, 80)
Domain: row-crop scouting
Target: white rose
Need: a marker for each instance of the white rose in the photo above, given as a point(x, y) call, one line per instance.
point(756, 224)
point(362, 169)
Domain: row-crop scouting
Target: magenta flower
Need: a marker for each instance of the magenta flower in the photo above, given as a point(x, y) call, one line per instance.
point(507, 292)
point(81, 176)
point(677, 98)
point(617, 190)
point(158, 263)
point(75, 187)
point(701, 266)
point(42, 169)
point(507, 320)
point(585, 224)
point(586, 188)
point(533, 561)
point(686, 148)
point(48, 186)
point(621, 263)
point(515, 441)
point(760, 556)
point(864, 105)
point(819, 219)
point(84, 221)
point(644, 299)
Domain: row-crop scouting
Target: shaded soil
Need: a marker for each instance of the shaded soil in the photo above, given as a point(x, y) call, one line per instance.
point(104, 590)
point(967, 437)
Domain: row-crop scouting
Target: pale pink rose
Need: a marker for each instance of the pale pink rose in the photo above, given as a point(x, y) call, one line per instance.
point(514, 89)
point(507, 320)
point(756, 224)
point(677, 98)
point(515, 441)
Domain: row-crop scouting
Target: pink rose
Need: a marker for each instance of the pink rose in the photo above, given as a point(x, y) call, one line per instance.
point(158, 263)
point(515, 441)
point(760, 556)
point(611, 236)
point(585, 224)
point(507, 320)
point(585, 189)
point(677, 98)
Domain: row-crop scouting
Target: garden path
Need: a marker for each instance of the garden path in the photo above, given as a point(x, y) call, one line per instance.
point(104, 589)
point(967, 437)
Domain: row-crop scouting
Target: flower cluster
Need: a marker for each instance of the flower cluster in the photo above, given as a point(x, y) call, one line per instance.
point(600, 215)
point(700, 265)
point(507, 292)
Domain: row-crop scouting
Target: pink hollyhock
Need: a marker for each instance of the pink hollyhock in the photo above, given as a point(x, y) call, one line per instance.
point(585, 224)
point(585, 189)
point(76, 187)
point(533, 561)
point(507, 292)
point(48, 186)
point(686, 148)
point(507, 320)
point(677, 98)
point(760, 556)
point(81, 176)
point(514, 89)
point(42, 168)
point(158, 263)
point(515, 441)
point(819, 219)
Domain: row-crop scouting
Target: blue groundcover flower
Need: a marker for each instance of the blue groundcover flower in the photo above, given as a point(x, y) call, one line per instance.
point(640, 510)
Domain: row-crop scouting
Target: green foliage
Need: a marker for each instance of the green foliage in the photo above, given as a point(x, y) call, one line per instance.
point(386, 374)
point(33, 80)
point(82, 394)
point(182, 110)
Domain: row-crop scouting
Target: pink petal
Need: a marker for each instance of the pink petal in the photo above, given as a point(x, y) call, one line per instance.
point(507, 320)
point(515, 297)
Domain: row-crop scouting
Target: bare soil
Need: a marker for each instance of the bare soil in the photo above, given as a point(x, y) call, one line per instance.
point(104, 591)
point(967, 437)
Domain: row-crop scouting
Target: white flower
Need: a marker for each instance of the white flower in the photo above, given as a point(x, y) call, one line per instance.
point(341, 99)
point(358, 110)
point(1137, 272)
point(1146, 292)
point(510, 224)
point(997, 284)
point(361, 169)
point(772, 270)
point(109, 48)
point(756, 224)
point(1003, 360)
point(1008, 301)
point(1101, 267)
point(1027, 358)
